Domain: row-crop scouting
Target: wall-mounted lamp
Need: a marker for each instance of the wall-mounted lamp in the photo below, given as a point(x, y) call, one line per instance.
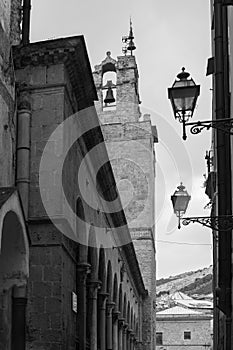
point(183, 95)
point(180, 200)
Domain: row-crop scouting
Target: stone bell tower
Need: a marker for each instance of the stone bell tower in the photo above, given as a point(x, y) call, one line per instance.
point(130, 139)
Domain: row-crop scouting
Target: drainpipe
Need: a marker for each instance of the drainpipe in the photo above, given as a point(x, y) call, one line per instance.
point(26, 22)
point(223, 162)
point(23, 150)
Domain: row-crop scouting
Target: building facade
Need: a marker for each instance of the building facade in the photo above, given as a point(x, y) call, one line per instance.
point(130, 140)
point(219, 181)
point(14, 239)
point(55, 83)
point(70, 275)
point(182, 328)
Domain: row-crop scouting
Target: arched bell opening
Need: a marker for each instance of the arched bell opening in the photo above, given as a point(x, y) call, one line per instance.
point(14, 271)
point(109, 95)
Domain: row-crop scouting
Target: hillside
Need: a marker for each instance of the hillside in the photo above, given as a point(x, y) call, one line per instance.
point(196, 284)
point(190, 283)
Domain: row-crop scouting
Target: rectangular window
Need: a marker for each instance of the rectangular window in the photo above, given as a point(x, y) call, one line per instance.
point(159, 338)
point(187, 335)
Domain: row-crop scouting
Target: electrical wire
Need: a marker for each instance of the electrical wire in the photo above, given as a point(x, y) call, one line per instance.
point(182, 243)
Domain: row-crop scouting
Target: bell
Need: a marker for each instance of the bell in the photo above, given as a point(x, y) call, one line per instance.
point(131, 46)
point(109, 96)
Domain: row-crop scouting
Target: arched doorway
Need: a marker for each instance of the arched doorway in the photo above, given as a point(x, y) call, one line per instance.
point(14, 272)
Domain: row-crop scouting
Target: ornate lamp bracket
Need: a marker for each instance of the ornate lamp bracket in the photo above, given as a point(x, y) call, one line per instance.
point(217, 223)
point(224, 125)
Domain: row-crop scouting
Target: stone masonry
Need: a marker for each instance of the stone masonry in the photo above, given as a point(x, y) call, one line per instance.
point(130, 143)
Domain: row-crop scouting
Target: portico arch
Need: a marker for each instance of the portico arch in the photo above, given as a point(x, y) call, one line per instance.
point(14, 252)
point(14, 272)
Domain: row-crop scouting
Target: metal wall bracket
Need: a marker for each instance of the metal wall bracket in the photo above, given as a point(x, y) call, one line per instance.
point(217, 223)
point(224, 125)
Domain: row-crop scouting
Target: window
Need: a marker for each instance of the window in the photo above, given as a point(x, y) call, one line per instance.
point(187, 335)
point(159, 338)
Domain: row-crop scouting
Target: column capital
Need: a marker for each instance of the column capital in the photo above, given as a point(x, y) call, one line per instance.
point(121, 322)
point(125, 327)
point(84, 267)
point(116, 315)
point(93, 286)
point(110, 305)
point(130, 331)
point(132, 334)
point(103, 297)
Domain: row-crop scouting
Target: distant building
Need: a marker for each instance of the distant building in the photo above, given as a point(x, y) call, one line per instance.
point(183, 300)
point(182, 328)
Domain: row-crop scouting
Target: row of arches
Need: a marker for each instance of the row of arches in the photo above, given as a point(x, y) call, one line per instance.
point(109, 304)
point(112, 314)
point(113, 285)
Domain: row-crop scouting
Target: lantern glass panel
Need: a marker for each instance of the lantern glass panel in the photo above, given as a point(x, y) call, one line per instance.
point(184, 98)
point(180, 202)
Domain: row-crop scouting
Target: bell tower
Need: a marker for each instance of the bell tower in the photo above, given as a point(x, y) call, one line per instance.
point(130, 139)
point(125, 107)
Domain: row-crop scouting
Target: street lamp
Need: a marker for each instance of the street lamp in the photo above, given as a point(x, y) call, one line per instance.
point(180, 200)
point(183, 96)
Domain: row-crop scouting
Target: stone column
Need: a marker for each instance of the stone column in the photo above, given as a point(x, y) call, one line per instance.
point(82, 271)
point(19, 318)
point(102, 321)
point(125, 343)
point(120, 339)
point(115, 316)
point(92, 298)
point(129, 331)
point(132, 340)
point(110, 306)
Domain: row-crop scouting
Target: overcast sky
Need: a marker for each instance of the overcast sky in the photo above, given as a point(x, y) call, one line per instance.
point(168, 35)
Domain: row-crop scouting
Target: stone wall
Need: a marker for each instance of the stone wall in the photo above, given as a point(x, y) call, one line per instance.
point(5, 319)
point(54, 257)
point(51, 321)
point(7, 93)
point(130, 145)
point(173, 333)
